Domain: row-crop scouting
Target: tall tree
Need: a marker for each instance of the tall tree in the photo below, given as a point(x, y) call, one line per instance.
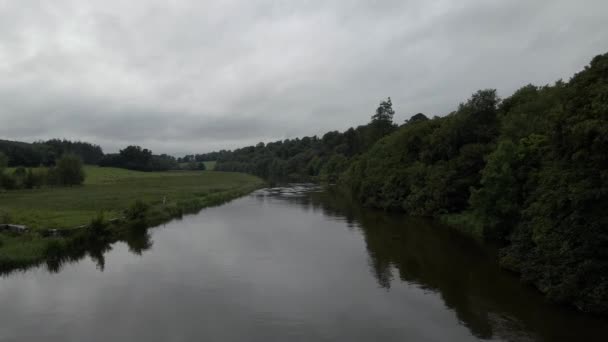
point(382, 122)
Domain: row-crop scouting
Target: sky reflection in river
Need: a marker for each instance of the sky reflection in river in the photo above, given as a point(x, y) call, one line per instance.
point(292, 264)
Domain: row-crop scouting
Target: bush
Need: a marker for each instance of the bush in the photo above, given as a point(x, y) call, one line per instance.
point(68, 171)
point(7, 182)
point(34, 179)
point(137, 210)
point(3, 161)
point(5, 217)
point(98, 224)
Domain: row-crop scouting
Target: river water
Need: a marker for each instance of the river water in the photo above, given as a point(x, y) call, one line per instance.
point(286, 264)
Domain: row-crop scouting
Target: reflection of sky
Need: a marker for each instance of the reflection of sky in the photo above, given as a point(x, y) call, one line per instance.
point(286, 264)
point(243, 271)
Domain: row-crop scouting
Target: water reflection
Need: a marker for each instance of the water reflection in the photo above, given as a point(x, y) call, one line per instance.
point(293, 263)
point(492, 303)
point(137, 238)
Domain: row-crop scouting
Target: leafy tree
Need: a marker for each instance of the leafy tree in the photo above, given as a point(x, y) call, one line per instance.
point(382, 121)
point(6, 182)
point(89, 153)
point(141, 159)
point(69, 170)
point(135, 157)
point(3, 162)
point(417, 118)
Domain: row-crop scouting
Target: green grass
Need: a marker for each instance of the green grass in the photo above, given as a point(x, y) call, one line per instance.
point(112, 190)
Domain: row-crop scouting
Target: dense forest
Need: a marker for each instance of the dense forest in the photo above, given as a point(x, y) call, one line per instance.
point(307, 158)
point(46, 152)
point(529, 171)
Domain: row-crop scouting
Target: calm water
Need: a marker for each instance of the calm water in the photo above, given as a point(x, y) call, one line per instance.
point(285, 265)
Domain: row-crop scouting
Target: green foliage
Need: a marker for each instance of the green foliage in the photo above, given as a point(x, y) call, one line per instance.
point(334, 166)
point(112, 190)
point(98, 224)
point(46, 152)
point(3, 161)
point(309, 157)
point(5, 217)
point(561, 240)
point(417, 118)
point(530, 171)
point(193, 166)
point(107, 190)
point(382, 121)
point(427, 167)
point(68, 171)
point(140, 159)
point(137, 210)
point(7, 182)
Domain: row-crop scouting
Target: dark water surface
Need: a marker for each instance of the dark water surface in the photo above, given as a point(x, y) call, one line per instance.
point(286, 265)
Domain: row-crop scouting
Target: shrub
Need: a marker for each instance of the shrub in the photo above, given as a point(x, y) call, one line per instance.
point(7, 182)
point(69, 171)
point(98, 224)
point(5, 217)
point(137, 210)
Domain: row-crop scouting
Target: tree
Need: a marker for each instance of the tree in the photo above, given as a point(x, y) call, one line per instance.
point(135, 157)
point(69, 170)
point(382, 121)
point(384, 112)
point(6, 182)
point(3, 162)
point(417, 118)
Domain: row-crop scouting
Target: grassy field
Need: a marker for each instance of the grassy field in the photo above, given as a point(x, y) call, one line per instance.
point(112, 190)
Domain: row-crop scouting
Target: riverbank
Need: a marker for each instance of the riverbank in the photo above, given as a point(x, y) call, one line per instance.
point(61, 219)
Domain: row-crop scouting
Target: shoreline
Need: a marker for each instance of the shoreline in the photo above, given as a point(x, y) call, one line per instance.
point(21, 251)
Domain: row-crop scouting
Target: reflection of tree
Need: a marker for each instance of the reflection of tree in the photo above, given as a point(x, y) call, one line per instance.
point(465, 273)
point(86, 243)
point(139, 242)
point(96, 252)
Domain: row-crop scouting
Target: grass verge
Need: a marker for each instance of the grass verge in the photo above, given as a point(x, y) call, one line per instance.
point(165, 195)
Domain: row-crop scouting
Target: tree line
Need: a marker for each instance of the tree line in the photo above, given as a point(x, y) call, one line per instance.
point(45, 153)
point(529, 171)
point(67, 171)
point(310, 158)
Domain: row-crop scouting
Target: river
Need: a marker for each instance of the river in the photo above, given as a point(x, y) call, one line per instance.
point(286, 264)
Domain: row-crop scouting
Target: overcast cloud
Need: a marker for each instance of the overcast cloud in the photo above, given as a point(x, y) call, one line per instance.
point(196, 76)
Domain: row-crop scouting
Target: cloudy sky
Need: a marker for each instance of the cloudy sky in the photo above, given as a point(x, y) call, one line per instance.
point(195, 76)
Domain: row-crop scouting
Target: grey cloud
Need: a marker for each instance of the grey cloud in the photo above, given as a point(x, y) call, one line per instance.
point(193, 76)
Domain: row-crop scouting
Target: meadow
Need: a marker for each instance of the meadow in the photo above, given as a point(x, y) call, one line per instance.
point(108, 192)
point(111, 190)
